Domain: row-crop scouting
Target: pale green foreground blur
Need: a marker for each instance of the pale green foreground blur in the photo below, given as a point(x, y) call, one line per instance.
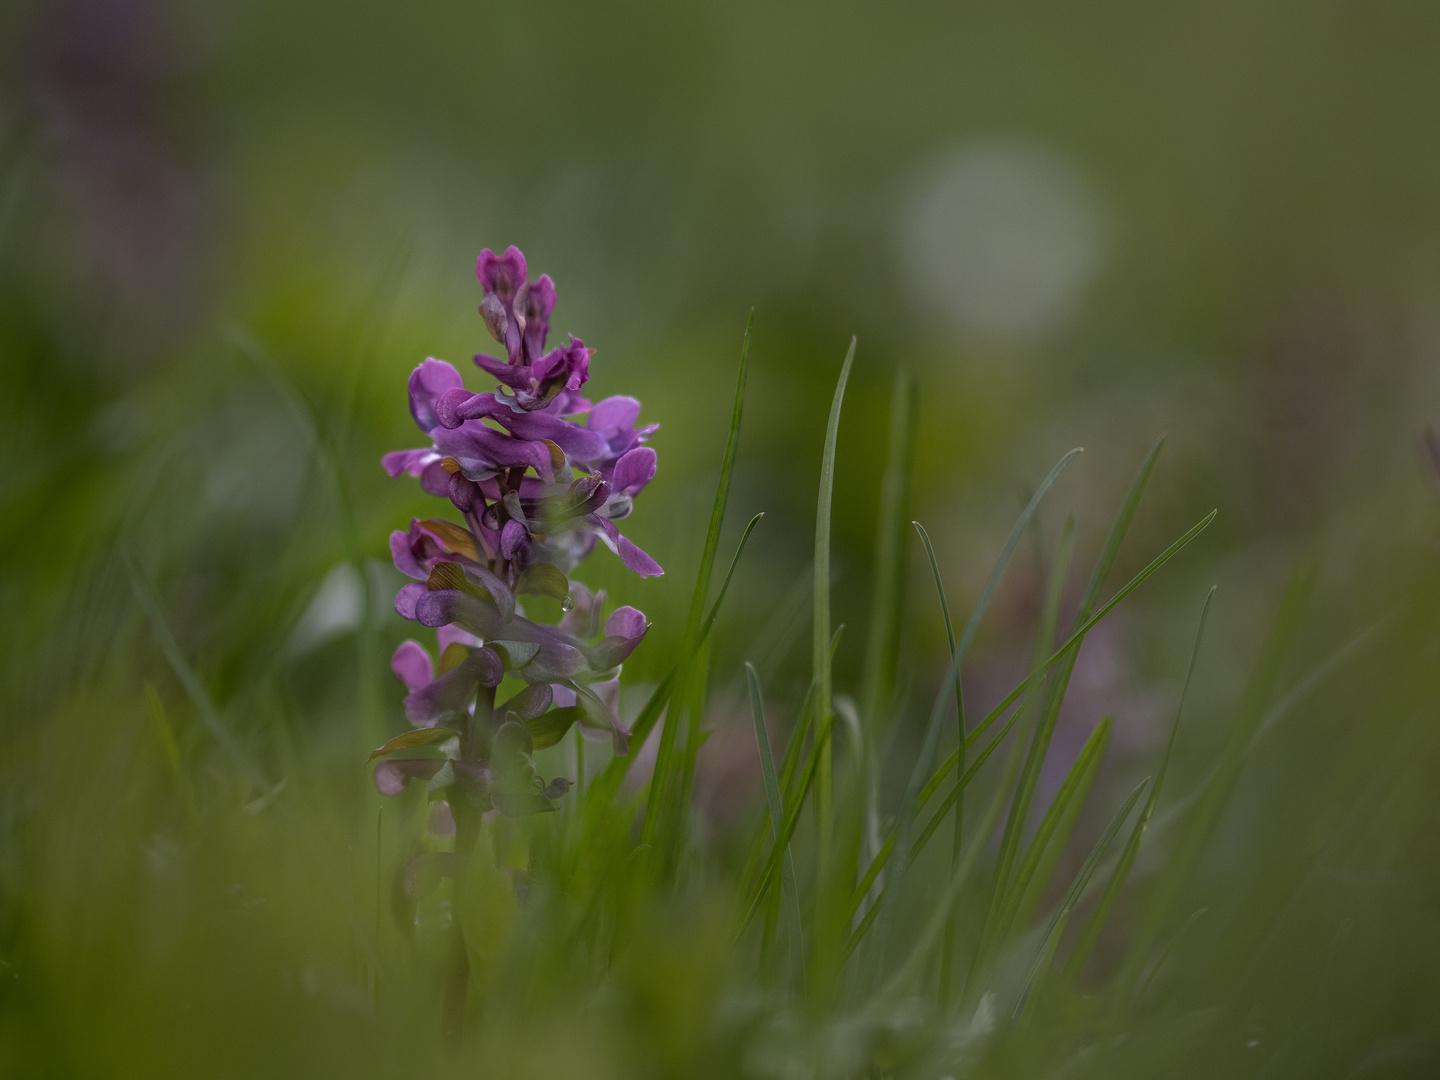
point(227, 233)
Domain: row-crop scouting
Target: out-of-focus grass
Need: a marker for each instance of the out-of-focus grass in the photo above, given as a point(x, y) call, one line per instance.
point(223, 244)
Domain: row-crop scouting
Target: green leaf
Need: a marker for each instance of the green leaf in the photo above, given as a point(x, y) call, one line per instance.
point(412, 739)
point(549, 729)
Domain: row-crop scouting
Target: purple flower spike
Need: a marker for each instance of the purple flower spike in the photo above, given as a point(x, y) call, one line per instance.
point(535, 476)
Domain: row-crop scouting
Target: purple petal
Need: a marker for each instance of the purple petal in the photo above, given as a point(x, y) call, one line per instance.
point(633, 558)
point(626, 622)
point(580, 443)
point(412, 665)
point(514, 539)
point(403, 556)
point(634, 471)
point(623, 631)
point(452, 407)
point(613, 415)
point(434, 480)
point(502, 274)
point(444, 606)
point(482, 451)
point(427, 382)
point(506, 373)
point(638, 561)
point(408, 598)
point(451, 694)
point(445, 636)
point(408, 461)
point(536, 305)
point(391, 776)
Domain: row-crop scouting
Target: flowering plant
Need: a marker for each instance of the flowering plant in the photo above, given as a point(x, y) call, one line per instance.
point(538, 476)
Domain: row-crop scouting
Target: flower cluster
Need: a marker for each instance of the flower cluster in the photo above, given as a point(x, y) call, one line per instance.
point(538, 476)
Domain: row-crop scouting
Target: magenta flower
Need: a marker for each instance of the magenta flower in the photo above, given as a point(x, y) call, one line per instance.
point(539, 476)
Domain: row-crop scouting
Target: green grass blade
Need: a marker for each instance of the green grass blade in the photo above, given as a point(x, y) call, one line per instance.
point(1259, 692)
point(820, 643)
point(1083, 769)
point(1075, 638)
point(194, 688)
point(920, 952)
point(661, 779)
point(934, 823)
point(1044, 731)
point(1044, 640)
point(883, 637)
point(910, 802)
point(1077, 889)
point(1090, 934)
point(790, 895)
point(947, 948)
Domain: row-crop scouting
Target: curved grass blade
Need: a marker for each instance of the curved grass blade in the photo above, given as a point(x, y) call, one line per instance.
point(1074, 639)
point(919, 954)
point(1040, 742)
point(1057, 923)
point(1090, 934)
point(909, 804)
point(1084, 767)
point(661, 780)
point(790, 895)
point(858, 897)
point(947, 948)
point(983, 727)
point(1059, 682)
point(820, 637)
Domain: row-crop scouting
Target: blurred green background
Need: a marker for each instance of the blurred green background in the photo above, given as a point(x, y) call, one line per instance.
point(229, 230)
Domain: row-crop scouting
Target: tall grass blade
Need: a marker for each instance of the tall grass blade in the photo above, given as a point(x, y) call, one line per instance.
point(1074, 639)
point(1075, 781)
point(1057, 922)
point(1044, 731)
point(947, 948)
point(910, 802)
point(1202, 819)
point(790, 894)
point(931, 826)
point(1090, 934)
point(882, 640)
point(695, 623)
point(1044, 640)
point(820, 636)
point(1059, 681)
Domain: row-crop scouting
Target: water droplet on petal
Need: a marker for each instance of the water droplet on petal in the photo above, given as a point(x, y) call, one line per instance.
point(567, 603)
